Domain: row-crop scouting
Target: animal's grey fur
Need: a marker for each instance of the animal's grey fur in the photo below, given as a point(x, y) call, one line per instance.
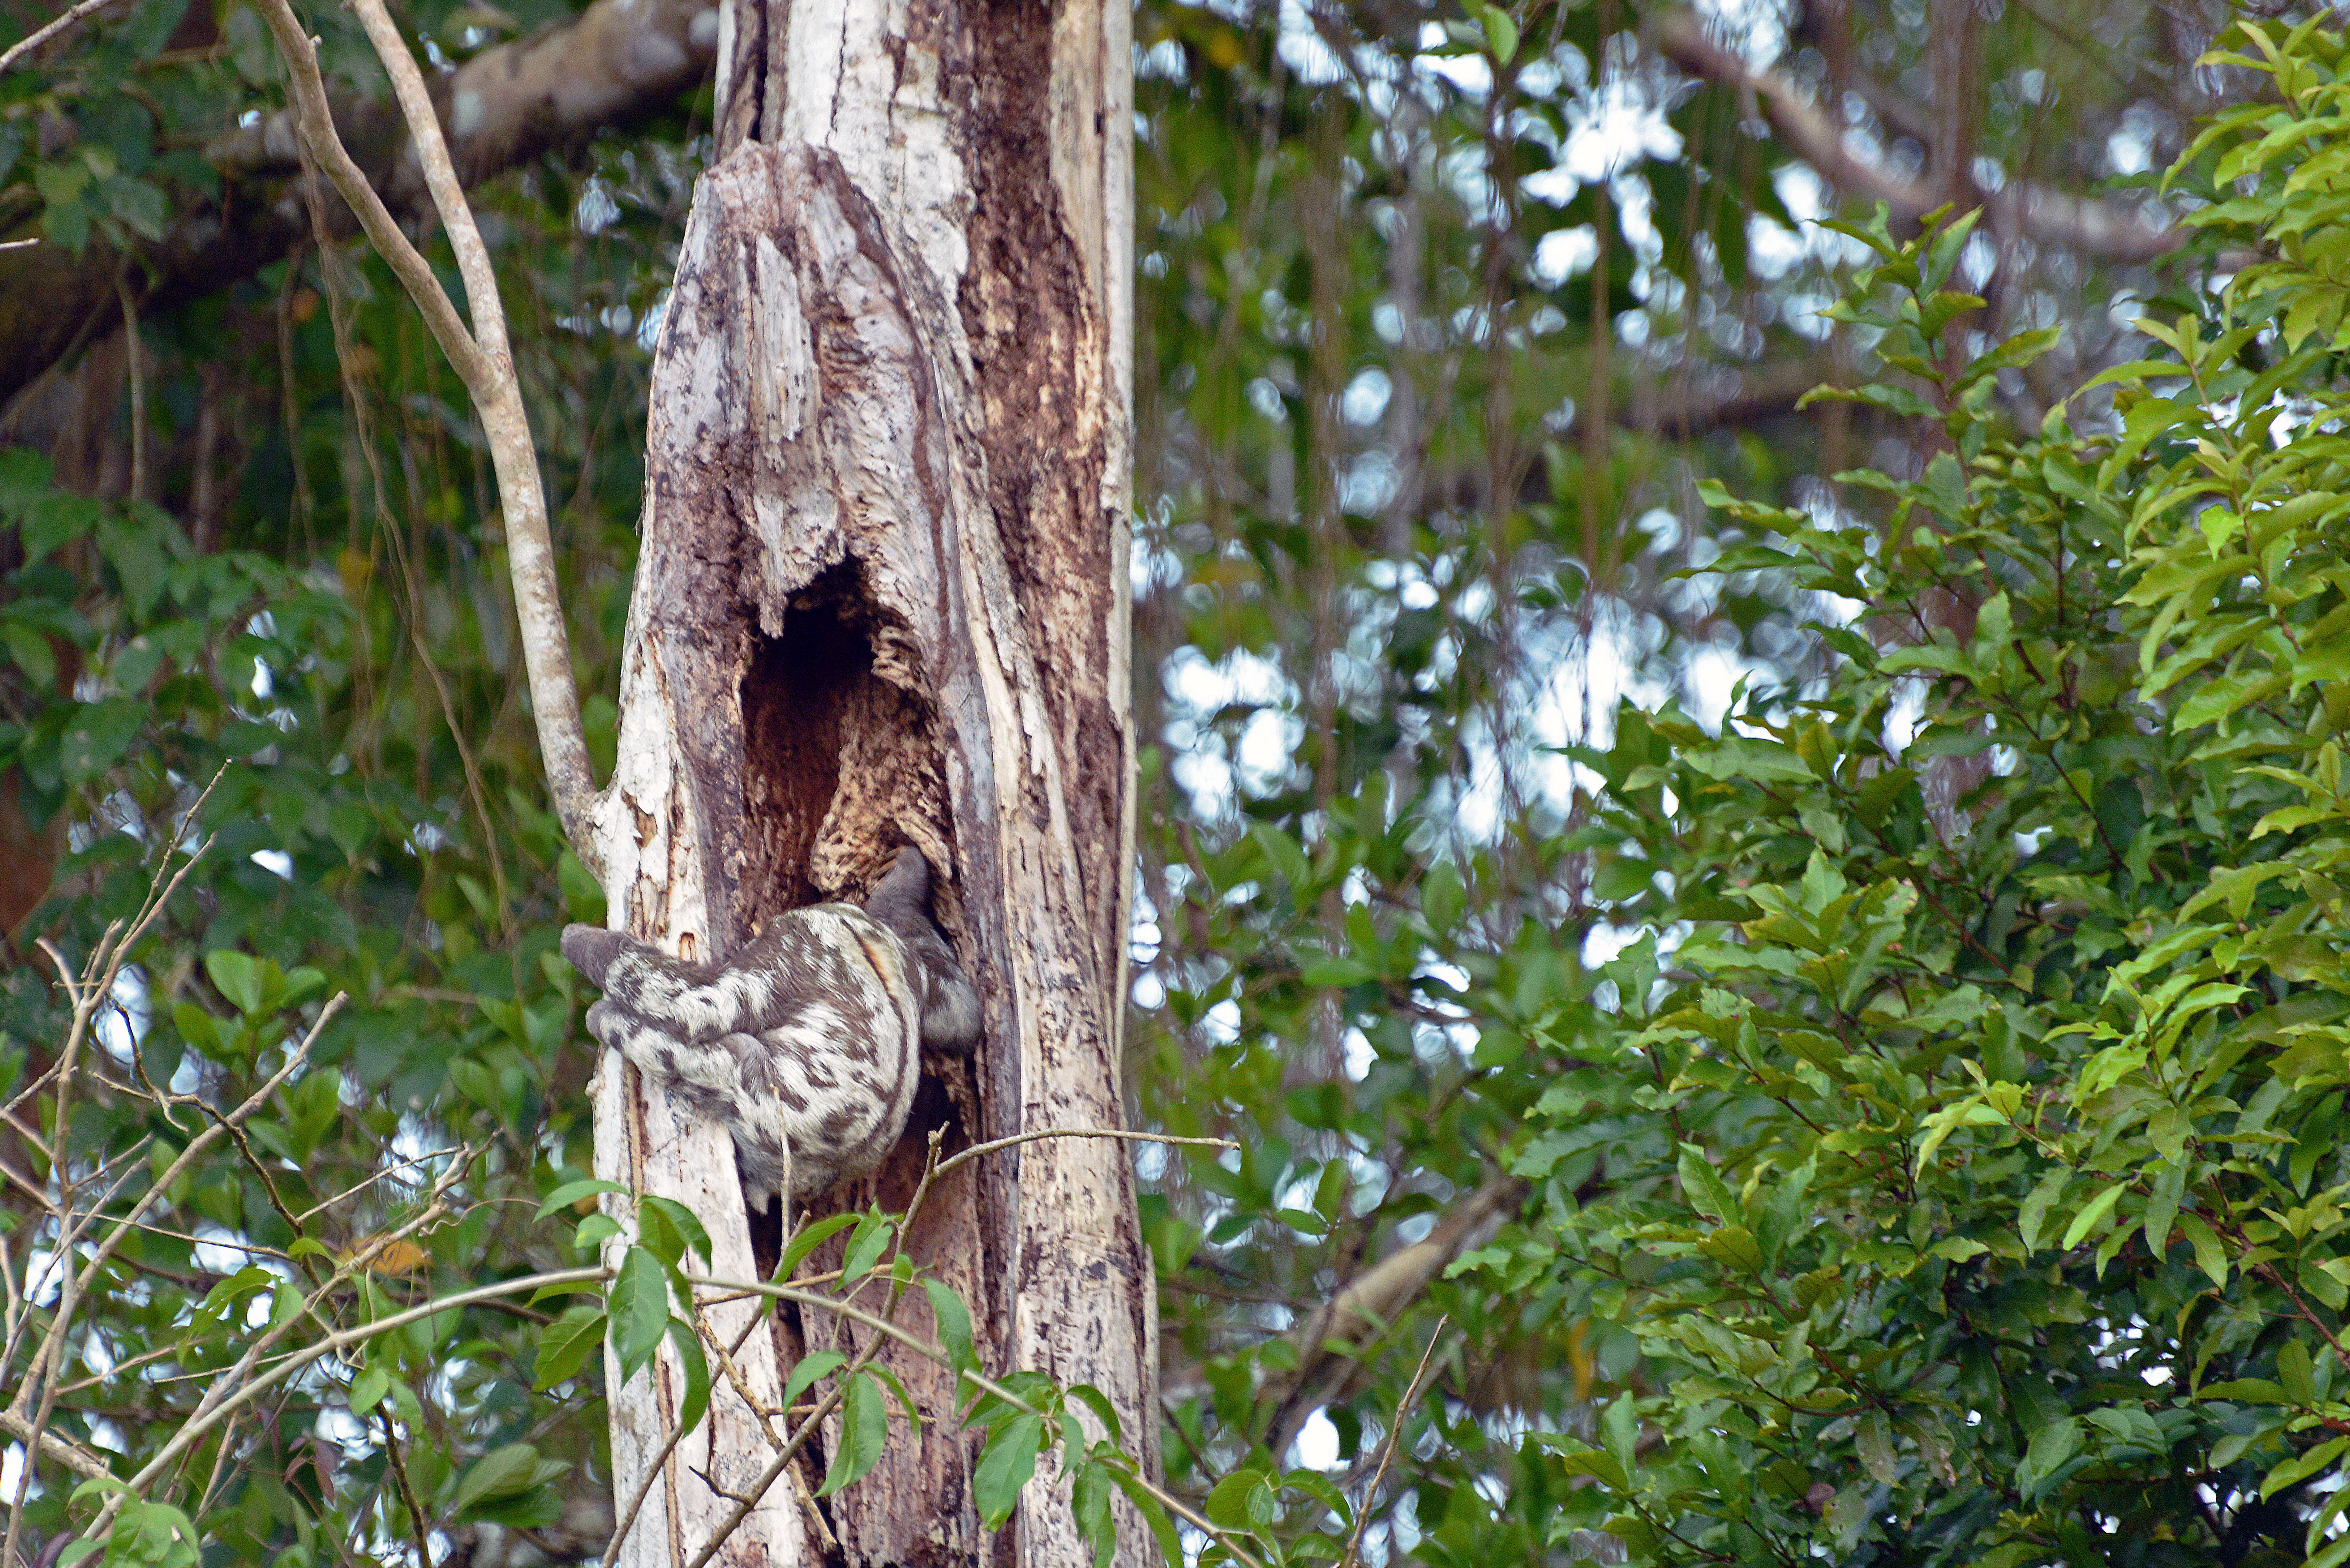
point(806, 1046)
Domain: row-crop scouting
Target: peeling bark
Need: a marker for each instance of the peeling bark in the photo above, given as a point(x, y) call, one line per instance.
point(883, 599)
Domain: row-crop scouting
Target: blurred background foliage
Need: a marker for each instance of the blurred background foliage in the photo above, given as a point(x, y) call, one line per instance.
point(1446, 314)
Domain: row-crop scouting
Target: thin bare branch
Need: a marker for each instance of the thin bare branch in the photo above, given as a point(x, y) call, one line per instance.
point(187, 1435)
point(976, 1150)
point(43, 34)
point(1388, 1449)
point(485, 365)
point(73, 1456)
point(530, 551)
point(315, 127)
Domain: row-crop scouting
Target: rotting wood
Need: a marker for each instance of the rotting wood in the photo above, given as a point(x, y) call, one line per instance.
point(883, 598)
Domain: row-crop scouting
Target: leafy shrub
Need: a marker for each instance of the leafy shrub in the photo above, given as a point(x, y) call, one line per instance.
point(1973, 1133)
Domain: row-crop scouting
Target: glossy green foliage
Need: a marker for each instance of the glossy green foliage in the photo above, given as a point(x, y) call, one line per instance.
point(1371, 871)
point(1971, 1105)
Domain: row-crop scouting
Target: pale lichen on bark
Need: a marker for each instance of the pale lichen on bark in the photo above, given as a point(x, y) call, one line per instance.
point(882, 600)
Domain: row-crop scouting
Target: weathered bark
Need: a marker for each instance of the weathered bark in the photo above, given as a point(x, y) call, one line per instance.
point(883, 599)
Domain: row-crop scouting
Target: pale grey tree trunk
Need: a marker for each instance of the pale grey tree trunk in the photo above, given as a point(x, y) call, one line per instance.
point(883, 598)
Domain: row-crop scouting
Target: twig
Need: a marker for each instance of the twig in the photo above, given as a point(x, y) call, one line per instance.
point(484, 362)
point(1388, 1449)
point(407, 1489)
point(44, 1372)
point(73, 1456)
point(976, 1150)
point(108, 957)
point(354, 1190)
point(186, 1437)
point(97, 982)
point(611, 1553)
point(39, 35)
point(984, 1384)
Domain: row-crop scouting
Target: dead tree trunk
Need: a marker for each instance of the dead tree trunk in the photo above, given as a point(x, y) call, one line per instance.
point(883, 599)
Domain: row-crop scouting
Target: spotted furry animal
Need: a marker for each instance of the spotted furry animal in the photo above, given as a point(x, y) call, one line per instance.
point(808, 1045)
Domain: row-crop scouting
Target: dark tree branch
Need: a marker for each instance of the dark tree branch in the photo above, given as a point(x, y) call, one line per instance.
point(614, 62)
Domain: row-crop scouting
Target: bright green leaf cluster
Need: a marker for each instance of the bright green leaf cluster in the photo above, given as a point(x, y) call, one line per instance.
point(1985, 1202)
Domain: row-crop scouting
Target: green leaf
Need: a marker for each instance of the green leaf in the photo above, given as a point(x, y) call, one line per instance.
point(1596, 1463)
point(566, 1343)
point(501, 1473)
point(812, 1236)
point(571, 1192)
point(2162, 1205)
point(1442, 899)
point(1090, 1499)
point(238, 977)
point(2051, 1446)
point(688, 1346)
point(1501, 32)
point(2209, 1255)
point(1763, 762)
point(1875, 1442)
point(809, 1368)
point(31, 652)
point(952, 1321)
point(1004, 1467)
point(1288, 861)
point(593, 1230)
point(1703, 1187)
point(1619, 1433)
point(2294, 1371)
point(2301, 1466)
point(97, 735)
point(56, 518)
point(874, 1233)
point(1735, 1246)
point(1242, 1501)
point(678, 1225)
point(1094, 1399)
point(639, 1308)
point(864, 1431)
point(367, 1389)
point(2096, 1210)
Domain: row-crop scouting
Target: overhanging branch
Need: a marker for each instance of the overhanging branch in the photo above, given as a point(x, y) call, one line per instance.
point(2103, 227)
point(614, 62)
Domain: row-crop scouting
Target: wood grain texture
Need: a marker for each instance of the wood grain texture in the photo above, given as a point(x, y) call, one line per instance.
point(883, 599)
